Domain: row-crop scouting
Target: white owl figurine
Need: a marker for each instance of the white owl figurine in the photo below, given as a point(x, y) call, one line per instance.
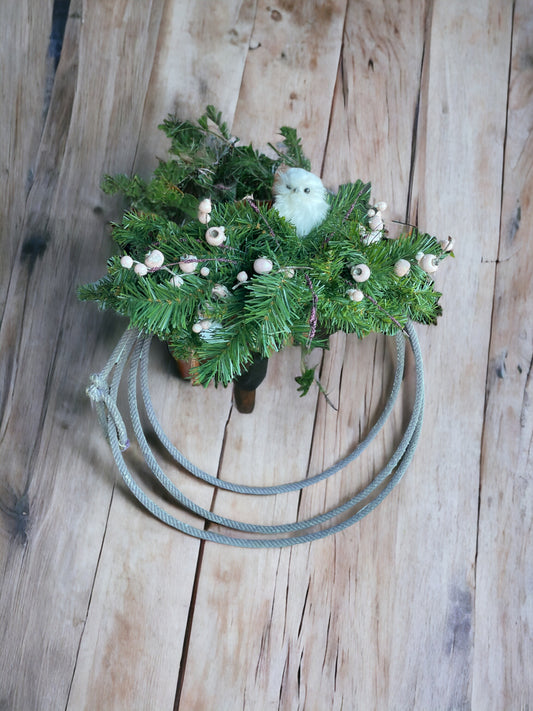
point(300, 198)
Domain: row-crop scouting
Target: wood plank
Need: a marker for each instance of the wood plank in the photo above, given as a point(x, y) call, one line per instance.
point(23, 82)
point(23, 281)
point(503, 611)
point(376, 101)
point(433, 545)
point(57, 489)
point(154, 585)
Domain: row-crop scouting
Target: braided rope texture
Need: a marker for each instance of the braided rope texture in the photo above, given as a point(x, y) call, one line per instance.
point(135, 347)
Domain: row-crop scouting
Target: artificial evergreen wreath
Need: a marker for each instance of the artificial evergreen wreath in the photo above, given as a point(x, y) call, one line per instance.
point(209, 265)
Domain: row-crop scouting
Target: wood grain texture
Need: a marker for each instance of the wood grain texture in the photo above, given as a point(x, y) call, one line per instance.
point(25, 74)
point(425, 604)
point(46, 357)
point(450, 176)
point(200, 58)
point(504, 612)
point(296, 54)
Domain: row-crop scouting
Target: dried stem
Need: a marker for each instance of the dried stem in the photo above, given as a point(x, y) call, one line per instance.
point(402, 329)
point(312, 317)
point(254, 207)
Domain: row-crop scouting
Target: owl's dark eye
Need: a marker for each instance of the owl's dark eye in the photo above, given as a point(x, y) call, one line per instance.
point(307, 190)
point(288, 187)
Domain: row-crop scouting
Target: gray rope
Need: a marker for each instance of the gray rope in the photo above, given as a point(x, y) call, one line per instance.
point(281, 488)
point(390, 475)
point(104, 397)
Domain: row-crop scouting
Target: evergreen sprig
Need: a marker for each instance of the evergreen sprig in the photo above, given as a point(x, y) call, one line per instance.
point(215, 319)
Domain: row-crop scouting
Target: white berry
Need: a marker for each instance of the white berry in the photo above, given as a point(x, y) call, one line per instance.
point(429, 263)
point(204, 271)
point(215, 236)
point(126, 261)
point(205, 205)
point(220, 291)
point(447, 244)
point(140, 269)
point(360, 273)
point(263, 265)
point(402, 267)
point(375, 222)
point(242, 276)
point(372, 237)
point(176, 280)
point(381, 206)
point(188, 264)
point(197, 327)
point(204, 217)
point(154, 259)
point(355, 294)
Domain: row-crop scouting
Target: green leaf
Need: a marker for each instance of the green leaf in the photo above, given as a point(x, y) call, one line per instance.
point(305, 380)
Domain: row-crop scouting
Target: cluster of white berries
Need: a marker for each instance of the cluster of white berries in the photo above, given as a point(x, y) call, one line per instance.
point(203, 325)
point(263, 265)
point(155, 260)
point(429, 263)
point(215, 237)
point(375, 222)
point(360, 273)
point(204, 208)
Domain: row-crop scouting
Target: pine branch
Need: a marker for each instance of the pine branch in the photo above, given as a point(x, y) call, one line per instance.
point(293, 154)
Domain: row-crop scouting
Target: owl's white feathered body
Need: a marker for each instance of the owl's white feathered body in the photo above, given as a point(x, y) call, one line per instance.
point(300, 197)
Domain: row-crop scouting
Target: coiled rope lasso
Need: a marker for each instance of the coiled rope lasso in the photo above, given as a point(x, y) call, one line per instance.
point(135, 346)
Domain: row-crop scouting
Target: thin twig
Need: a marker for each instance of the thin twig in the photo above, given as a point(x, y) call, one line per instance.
point(402, 329)
point(312, 317)
point(254, 207)
point(407, 224)
point(347, 215)
point(324, 393)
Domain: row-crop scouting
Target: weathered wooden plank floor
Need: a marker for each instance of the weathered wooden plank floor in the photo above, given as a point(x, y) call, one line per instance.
point(425, 604)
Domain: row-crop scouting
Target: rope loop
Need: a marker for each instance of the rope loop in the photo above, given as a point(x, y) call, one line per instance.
point(256, 536)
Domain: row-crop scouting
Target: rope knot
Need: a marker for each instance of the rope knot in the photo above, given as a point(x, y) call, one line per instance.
point(98, 389)
point(99, 392)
